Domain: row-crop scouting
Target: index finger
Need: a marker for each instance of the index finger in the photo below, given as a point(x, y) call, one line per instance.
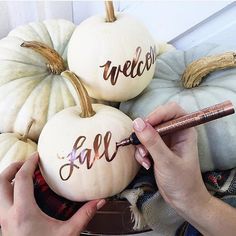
point(8, 174)
point(6, 187)
point(23, 187)
point(164, 113)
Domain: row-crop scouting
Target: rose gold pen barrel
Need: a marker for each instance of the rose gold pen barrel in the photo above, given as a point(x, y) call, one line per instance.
point(187, 121)
point(196, 118)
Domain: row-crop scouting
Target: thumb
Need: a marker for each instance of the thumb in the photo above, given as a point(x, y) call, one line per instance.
point(149, 137)
point(81, 218)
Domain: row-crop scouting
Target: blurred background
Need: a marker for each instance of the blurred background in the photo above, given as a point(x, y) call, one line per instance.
point(182, 23)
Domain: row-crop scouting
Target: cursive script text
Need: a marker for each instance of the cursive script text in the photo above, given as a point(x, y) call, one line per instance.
point(132, 69)
point(85, 156)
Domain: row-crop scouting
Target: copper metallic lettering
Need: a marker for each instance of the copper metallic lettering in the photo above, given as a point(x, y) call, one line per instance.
point(107, 140)
point(96, 145)
point(129, 69)
point(112, 74)
point(135, 62)
point(126, 67)
point(149, 60)
point(85, 155)
point(139, 70)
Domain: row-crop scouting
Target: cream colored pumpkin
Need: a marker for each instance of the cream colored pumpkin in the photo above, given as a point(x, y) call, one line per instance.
point(13, 147)
point(115, 60)
point(78, 157)
point(30, 82)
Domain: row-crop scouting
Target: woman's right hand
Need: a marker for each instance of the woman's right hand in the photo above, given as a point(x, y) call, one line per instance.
point(178, 175)
point(175, 157)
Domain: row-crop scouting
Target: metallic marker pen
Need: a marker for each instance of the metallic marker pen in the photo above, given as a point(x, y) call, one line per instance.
point(190, 120)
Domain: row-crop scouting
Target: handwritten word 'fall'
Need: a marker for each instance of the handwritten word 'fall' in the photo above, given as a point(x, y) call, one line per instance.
point(85, 155)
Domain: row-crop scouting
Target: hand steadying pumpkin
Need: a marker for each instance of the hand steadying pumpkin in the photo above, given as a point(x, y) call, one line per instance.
point(19, 213)
point(178, 175)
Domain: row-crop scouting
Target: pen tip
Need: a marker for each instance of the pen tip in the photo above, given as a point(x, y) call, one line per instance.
point(123, 142)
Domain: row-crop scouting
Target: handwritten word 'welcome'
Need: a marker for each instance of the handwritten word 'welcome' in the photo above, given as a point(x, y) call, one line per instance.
point(132, 69)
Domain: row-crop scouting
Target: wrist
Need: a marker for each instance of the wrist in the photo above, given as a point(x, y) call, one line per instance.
point(193, 205)
point(198, 211)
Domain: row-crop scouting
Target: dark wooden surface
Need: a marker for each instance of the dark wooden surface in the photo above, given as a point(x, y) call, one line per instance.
point(112, 219)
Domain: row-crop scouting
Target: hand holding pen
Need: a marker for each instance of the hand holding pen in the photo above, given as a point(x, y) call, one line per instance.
point(177, 172)
point(173, 123)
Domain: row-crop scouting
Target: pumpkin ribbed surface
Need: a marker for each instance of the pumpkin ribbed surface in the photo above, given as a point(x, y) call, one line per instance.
point(13, 149)
point(28, 89)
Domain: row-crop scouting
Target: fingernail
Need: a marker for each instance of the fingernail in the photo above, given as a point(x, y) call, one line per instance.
point(100, 204)
point(139, 124)
point(146, 165)
point(138, 157)
point(142, 151)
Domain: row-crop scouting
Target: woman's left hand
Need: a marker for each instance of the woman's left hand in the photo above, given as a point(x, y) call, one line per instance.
point(20, 214)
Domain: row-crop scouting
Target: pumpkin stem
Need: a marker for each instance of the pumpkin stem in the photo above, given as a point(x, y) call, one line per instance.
point(197, 70)
point(55, 62)
point(26, 134)
point(85, 102)
point(110, 15)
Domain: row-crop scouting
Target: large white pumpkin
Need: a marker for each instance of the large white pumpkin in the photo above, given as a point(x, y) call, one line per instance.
point(30, 82)
point(78, 155)
point(198, 89)
point(115, 60)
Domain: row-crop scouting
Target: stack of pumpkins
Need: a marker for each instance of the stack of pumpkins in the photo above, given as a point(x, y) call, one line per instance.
point(110, 60)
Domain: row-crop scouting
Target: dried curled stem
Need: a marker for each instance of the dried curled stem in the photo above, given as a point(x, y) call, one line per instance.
point(197, 70)
point(55, 62)
point(85, 101)
point(110, 15)
point(26, 134)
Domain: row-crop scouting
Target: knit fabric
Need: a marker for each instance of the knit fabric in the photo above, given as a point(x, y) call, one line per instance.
point(50, 203)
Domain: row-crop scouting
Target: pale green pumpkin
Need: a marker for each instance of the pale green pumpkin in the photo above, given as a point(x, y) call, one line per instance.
point(217, 139)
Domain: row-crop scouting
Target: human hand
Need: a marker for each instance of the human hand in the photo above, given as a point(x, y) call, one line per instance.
point(20, 214)
point(176, 164)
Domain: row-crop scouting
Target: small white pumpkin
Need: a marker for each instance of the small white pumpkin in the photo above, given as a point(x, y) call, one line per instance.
point(15, 147)
point(78, 155)
point(114, 57)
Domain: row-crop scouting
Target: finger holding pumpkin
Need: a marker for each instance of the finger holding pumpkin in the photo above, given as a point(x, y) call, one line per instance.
point(6, 186)
point(141, 155)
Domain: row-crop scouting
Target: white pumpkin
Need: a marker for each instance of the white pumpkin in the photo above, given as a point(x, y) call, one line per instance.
point(198, 89)
point(15, 147)
point(30, 81)
point(114, 57)
point(78, 155)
